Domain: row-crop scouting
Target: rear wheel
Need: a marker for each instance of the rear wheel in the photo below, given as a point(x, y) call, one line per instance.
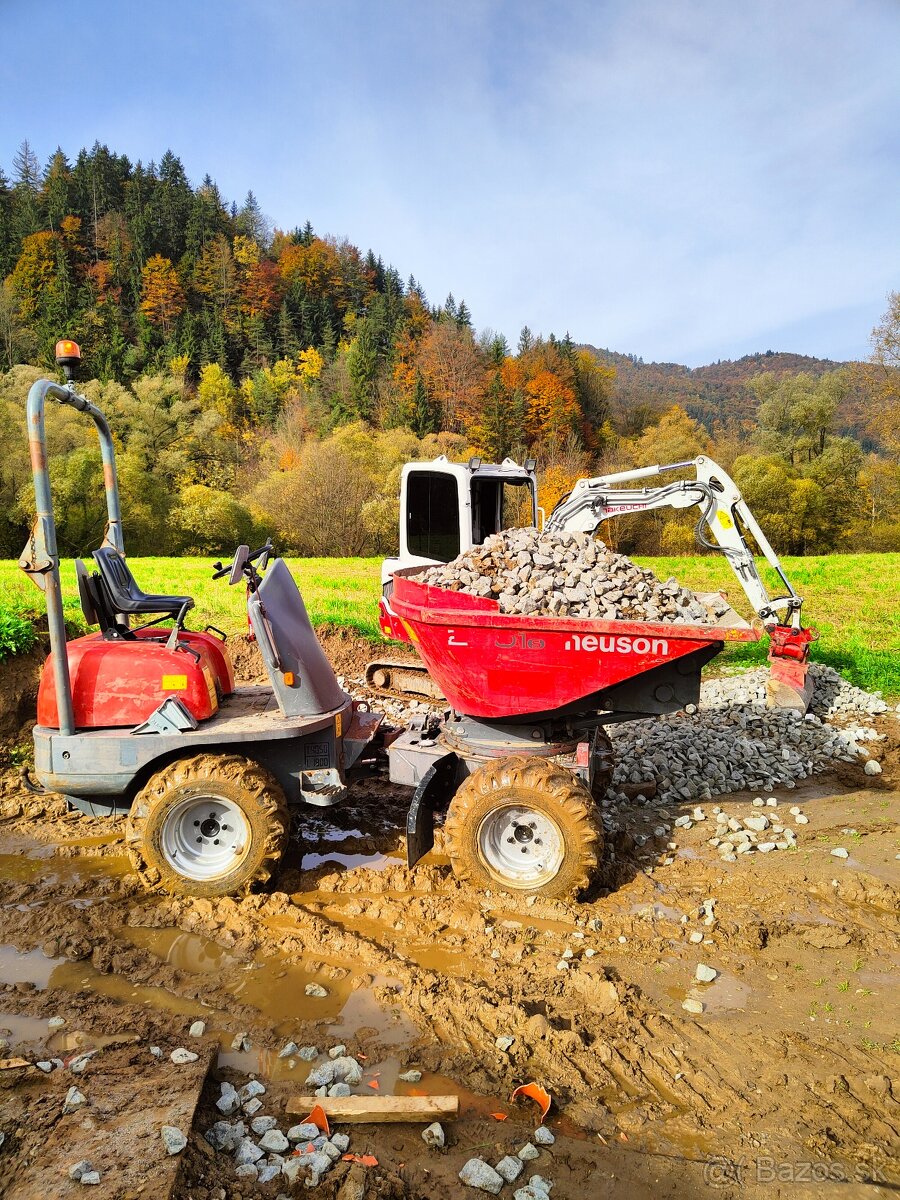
point(524, 825)
point(211, 825)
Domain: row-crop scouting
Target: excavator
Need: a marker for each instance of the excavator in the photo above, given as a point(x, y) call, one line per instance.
point(447, 508)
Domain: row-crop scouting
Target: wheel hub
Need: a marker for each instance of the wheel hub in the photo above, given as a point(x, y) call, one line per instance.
point(521, 846)
point(205, 837)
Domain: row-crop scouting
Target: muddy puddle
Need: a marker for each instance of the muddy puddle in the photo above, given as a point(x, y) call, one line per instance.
point(276, 988)
point(24, 861)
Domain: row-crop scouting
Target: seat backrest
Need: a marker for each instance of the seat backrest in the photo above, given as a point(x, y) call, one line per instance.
point(118, 578)
point(89, 605)
point(290, 647)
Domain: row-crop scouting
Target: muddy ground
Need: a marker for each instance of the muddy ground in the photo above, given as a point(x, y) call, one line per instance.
point(788, 1083)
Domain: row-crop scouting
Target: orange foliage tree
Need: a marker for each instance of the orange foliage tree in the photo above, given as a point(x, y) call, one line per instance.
point(162, 297)
point(552, 411)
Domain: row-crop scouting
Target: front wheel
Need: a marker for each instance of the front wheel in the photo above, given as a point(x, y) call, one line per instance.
point(524, 825)
point(211, 825)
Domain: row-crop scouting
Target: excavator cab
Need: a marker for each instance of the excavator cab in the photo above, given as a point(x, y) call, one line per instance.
point(447, 508)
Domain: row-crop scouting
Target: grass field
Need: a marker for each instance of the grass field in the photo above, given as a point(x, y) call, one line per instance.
point(853, 600)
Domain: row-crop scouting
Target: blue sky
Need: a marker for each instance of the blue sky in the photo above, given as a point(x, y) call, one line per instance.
point(686, 181)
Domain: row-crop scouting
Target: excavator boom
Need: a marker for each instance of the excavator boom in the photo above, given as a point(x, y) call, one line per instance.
point(726, 516)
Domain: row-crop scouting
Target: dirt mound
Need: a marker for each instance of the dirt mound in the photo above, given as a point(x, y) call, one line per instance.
point(348, 652)
point(19, 676)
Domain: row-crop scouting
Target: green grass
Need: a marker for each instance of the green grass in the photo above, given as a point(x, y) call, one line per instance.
point(853, 600)
point(337, 591)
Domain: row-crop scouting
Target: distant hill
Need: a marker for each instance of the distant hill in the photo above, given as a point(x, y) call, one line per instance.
point(716, 392)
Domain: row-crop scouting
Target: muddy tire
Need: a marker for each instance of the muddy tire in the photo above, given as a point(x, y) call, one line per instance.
point(526, 826)
point(212, 825)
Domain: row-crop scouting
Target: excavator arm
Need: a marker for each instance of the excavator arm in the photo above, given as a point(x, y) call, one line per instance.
point(726, 516)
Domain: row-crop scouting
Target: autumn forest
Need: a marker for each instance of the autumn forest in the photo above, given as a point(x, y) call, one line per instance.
point(267, 380)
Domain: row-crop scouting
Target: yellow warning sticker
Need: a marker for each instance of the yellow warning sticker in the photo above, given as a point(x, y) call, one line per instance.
point(174, 683)
point(338, 724)
point(725, 521)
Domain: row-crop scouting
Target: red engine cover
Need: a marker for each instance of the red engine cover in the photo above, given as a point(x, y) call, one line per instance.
point(120, 683)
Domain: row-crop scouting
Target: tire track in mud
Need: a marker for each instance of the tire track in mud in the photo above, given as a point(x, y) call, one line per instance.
point(602, 1048)
point(602, 1045)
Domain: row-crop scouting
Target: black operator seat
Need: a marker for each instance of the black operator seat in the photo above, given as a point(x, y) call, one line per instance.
point(124, 592)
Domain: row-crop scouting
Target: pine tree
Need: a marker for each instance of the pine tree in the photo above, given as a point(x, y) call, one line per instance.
point(57, 202)
point(526, 340)
point(463, 316)
point(171, 204)
point(26, 192)
point(362, 366)
point(253, 224)
point(8, 241)
point(425, 418)
point(286, 342)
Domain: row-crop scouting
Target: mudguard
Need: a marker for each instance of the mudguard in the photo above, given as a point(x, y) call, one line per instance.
point(435, 791)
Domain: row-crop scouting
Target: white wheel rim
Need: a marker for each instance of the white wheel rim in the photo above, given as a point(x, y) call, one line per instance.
point(205, 837)
point(521, 846)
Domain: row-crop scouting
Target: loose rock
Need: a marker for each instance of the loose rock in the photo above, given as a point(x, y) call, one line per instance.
point(229, 1101)
point(434, 1136)
point(182, 1056)
point(274, 1142)
point(173, 1139)
point(304, 1132)
point(478, 1174)
point(248, 1152)
point(510, 1168)
point(74, 1099)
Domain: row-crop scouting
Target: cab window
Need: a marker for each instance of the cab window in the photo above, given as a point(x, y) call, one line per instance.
point(432, 516)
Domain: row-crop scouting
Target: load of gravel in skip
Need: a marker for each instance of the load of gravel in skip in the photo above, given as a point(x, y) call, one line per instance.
point(568, 575)
point(734, 742)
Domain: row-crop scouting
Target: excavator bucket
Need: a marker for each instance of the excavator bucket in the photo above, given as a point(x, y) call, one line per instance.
point(789, 684)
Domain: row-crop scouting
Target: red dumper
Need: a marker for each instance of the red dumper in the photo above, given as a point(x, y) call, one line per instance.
point(520, 758)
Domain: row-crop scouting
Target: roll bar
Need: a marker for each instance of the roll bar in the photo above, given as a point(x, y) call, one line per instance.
point(40, 558)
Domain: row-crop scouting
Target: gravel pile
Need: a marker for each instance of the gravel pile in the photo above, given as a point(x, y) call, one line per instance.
point(262, 1152)
point(733, 742)
point(833, 696)
point(568, 575)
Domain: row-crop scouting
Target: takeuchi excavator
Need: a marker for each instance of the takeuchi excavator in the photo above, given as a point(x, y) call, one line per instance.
point(447, 508)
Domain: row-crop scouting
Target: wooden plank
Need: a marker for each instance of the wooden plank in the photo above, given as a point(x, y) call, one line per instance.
point(365, 1110)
